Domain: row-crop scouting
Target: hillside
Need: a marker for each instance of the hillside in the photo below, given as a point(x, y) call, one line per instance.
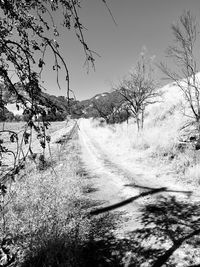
point(57, 106)
point(101, 105)
point(106, 105)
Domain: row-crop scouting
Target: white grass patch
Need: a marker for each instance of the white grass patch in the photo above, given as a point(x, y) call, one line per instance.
point(193, 175)
point(119, 144)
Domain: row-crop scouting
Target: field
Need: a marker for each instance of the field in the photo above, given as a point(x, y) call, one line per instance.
point(20, 147)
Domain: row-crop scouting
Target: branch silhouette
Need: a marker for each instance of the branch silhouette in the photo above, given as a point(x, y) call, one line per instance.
point(169, 226)
point(165, 257)
point(151, 191)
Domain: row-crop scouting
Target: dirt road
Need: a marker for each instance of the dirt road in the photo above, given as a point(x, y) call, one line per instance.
point(112, 182)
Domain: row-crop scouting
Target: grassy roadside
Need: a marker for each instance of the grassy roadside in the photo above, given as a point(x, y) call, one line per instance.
point(163, 145)
point(44, 219)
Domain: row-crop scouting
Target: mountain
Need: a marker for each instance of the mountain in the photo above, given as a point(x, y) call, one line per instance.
point(101, 105)
point(108, 105)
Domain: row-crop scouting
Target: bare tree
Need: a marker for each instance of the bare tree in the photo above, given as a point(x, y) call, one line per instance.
point(107, 108)
point(183, 55)
point(140, 89)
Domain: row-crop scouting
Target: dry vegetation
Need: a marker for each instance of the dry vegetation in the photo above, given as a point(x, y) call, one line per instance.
point(45, 213)
point(169, 231)
point(38, 214)
point(44, 216)
point(163, 143)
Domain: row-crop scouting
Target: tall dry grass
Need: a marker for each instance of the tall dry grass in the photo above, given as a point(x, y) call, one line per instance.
point(159, 142)
point(40, 205)
point(44, 217)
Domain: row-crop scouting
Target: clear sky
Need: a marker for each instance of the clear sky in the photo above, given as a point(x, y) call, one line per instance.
point(140, 23)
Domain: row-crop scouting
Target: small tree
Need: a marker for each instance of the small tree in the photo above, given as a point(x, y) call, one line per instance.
point(140, 89)
point(183, 54)
point(104, 109)
point(110, 107)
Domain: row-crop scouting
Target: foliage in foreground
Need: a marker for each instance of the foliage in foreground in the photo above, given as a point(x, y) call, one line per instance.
point(29, 31)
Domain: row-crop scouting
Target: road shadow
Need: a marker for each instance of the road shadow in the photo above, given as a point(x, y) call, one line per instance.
point(98, 247)
point(169, 234)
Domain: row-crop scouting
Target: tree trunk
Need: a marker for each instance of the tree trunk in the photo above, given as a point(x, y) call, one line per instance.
point(165, 257)
point(142, 119)
point(198, 126)
point(127, 114)
point(138, 123)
